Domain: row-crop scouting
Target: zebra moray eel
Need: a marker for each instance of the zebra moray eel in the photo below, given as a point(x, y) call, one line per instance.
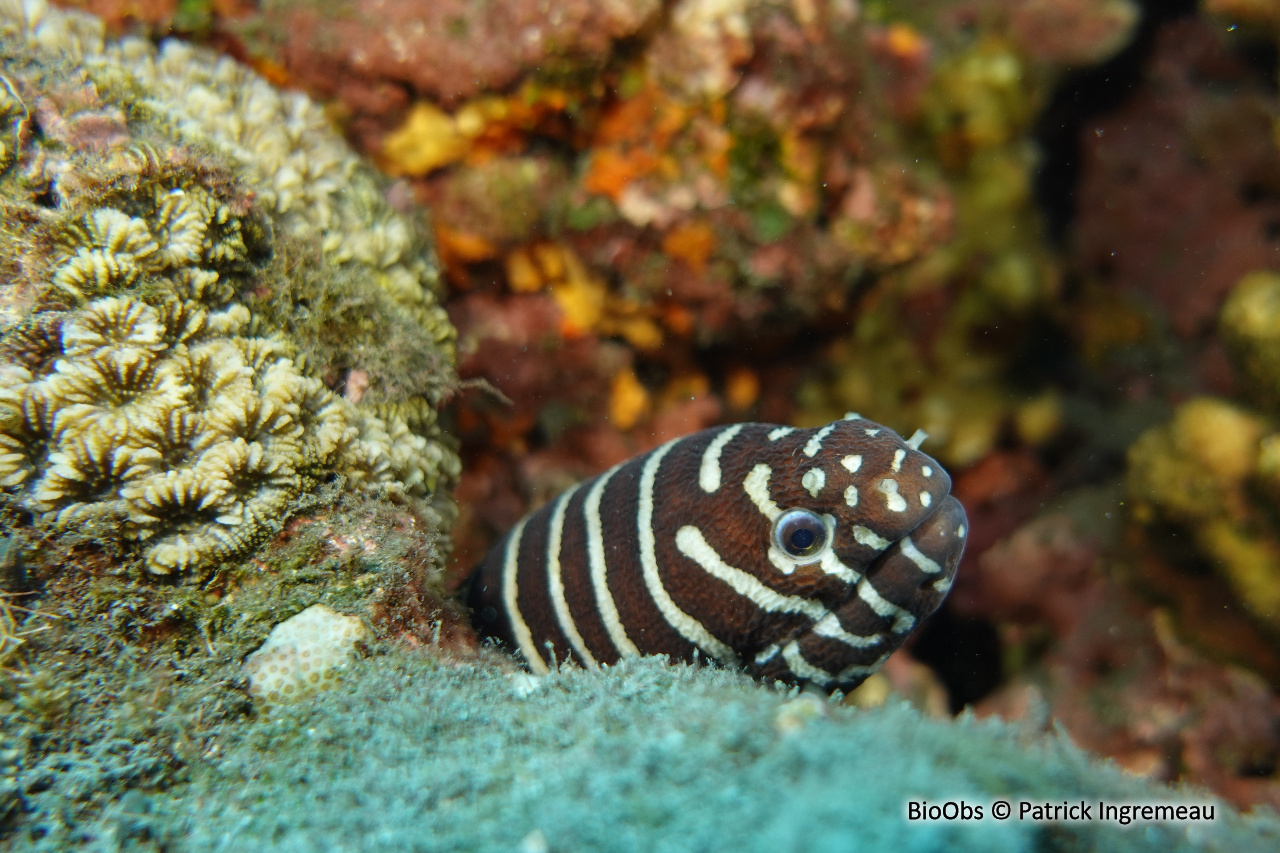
point(803, 555)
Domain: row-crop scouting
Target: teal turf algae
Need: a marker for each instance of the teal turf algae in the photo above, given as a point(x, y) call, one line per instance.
point(409, 755)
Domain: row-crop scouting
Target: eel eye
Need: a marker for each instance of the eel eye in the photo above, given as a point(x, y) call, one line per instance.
point(800, 534)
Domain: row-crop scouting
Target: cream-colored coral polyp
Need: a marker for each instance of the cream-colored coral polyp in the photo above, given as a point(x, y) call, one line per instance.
point(303, 654)
point(114, 322)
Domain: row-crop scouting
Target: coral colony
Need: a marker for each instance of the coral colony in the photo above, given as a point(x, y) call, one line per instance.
point(144, 391)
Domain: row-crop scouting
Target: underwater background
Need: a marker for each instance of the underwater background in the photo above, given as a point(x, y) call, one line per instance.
point(303, 304)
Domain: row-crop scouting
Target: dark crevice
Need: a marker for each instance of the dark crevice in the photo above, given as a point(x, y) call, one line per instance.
point(1082, 96)
point(965, 654)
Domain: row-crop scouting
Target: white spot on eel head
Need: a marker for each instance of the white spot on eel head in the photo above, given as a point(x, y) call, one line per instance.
point(778, 433)
point(852, 463)
point(898, 456)
point(872, 432)
point(925, 499)
point(852, 416)
point(960, 531)
point(813, 481)
point(927, 471)
point(851, 496)
point(894, 501)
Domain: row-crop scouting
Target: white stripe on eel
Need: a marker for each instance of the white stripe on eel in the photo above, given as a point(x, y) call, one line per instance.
point(605, 604)
point(815, 444)
point(709, 472)
point(691, 543)
point(923, 562)
point(829, 626)
point(858, 671)
point(520, 628)
point(802, 668)
point(867, 536)
point(694, 545)
point(756, 485)
point(555, 582)
point(767, 654)
point(684, 624)
point(903, 621)
point(830, 562)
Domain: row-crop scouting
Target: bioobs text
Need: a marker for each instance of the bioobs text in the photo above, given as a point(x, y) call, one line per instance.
point(950, 810)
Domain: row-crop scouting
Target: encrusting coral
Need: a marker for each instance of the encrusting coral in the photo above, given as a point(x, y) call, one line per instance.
point(305, 653)
point(1250, 324)
point(1204, 471)
point(164, 371)
point(1215, 468)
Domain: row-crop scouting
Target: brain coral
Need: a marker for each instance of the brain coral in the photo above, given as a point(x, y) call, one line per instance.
point(191, 262)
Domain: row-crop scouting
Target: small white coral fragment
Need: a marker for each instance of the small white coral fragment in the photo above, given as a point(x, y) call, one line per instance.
point(305, 653)
point(793, 715)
